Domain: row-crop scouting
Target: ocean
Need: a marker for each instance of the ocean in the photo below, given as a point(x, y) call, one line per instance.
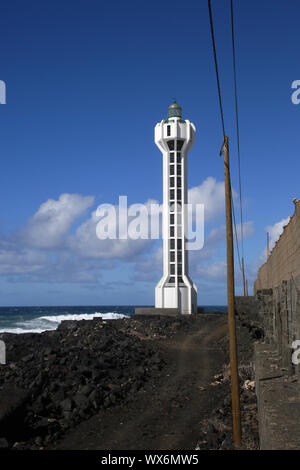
point(39, 319)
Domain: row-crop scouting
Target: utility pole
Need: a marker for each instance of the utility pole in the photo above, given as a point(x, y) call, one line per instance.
point(268, 246)
point(243, 269)
point(236, 416)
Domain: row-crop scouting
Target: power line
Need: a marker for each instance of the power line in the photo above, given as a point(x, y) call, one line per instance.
point(235, 234)
point(216, 65)
point(237, 124)
point(222, 117)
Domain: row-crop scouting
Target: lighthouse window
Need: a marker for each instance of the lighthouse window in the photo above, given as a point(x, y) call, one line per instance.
point(179, 269)
point(178, 157)
point(171, 193)
point(172, 268)
point(172, 255)
point(179, 194)
point(180, 280)
point(171, 231)
point(172, 244)
point(179, 244)
point(179, 144)
point(172, 219)
point(178, 169)
point(171, 280)
point(171, 144)
point(172, 181)
point(168, 131)
point(179, 256)
point(172, 157)
point(172, 170)
point(179, 182)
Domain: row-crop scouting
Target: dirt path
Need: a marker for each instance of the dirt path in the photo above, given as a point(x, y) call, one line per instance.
point(167, 413)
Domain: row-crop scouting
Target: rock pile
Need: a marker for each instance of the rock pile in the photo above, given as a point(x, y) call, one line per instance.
point(69, 374)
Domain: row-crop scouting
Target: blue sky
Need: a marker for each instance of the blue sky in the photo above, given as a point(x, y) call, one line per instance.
point(86, 83)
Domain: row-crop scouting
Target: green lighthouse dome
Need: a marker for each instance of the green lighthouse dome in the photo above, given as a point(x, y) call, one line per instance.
point(174, 110)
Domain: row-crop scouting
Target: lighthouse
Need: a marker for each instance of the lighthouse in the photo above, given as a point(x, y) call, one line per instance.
point(174, 137)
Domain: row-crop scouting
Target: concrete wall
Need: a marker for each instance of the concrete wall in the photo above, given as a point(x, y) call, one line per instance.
point(277, 379)
point(277, 291)
point(277, 287)
point(280, 317)
point(284, 260)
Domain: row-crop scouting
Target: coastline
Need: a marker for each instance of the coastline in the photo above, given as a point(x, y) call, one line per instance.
point(68, 379)
point(21, 320)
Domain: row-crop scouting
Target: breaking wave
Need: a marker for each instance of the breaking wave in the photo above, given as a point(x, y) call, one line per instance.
point(51, 322)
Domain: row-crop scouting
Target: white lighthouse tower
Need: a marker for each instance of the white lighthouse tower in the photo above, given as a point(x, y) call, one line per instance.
point(174, 137)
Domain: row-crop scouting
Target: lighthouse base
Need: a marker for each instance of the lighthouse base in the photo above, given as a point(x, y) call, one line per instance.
point(152, 311)
point(183, 298)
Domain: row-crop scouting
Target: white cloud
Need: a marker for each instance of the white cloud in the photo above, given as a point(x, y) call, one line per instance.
point(248, 229)
point(216, 271)
point(16, 260)
point(202, 264)
point(276, 230)
point(217, 236)
point(211, 194)
point(80, 257)
point(150, 268)
point(66, 269)
point(86, 243)
point(50, 224)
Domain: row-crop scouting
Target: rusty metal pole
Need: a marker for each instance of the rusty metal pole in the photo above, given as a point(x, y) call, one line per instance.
point(243, 269)
point(236, 416)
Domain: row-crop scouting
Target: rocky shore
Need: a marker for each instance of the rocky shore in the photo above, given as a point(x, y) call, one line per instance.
point(56, 380)
point(62, 377)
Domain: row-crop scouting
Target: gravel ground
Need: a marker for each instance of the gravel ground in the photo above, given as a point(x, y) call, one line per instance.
point(137, 383)
point(217, 430)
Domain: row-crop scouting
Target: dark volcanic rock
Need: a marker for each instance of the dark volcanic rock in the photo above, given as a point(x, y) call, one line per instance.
point(3, 443)
point(12, 407)
point(66, 405)
point(58, 378)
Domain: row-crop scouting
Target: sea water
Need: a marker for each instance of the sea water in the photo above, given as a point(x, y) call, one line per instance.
point(39, 319)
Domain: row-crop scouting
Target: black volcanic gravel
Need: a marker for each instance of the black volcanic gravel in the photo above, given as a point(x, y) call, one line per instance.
point(71, 372)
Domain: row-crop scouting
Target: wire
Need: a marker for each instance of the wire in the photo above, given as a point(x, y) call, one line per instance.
point(235, 234)
point(237, 124)
point(222, 119)
point(216, 66)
